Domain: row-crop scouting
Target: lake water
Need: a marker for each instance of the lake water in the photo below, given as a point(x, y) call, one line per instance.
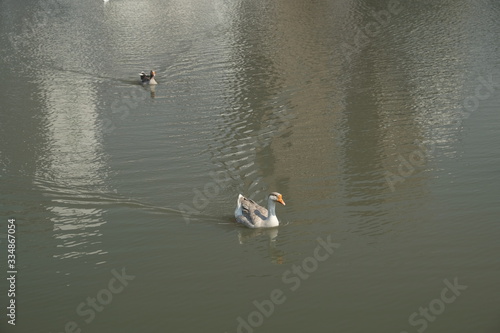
point(377, 120)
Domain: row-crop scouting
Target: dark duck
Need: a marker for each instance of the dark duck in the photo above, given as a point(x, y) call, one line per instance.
point(148, 79)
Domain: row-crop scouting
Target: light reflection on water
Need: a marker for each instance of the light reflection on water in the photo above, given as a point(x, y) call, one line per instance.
point(73, 158)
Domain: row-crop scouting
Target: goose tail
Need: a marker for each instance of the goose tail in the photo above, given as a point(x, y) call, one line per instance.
point(238, 211)
point(240, 199)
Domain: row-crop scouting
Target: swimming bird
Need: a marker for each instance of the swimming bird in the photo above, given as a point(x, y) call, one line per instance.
point(251, 215)
point(148, 79)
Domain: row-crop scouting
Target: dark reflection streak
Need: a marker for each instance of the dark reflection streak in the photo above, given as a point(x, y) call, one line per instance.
point(253, 85)
point(368, 141)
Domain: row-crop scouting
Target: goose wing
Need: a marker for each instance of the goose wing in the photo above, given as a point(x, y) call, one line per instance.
point(250, 212)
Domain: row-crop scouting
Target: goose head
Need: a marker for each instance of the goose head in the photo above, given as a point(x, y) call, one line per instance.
point(276, 197)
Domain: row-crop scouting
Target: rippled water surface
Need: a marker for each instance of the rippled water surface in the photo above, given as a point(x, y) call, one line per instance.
point(377, 120)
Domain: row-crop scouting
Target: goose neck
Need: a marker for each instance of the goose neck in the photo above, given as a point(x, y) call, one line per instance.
point(271, 207)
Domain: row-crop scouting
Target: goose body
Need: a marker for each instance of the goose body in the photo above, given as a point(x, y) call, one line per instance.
point(252, 215)
point(148, 78)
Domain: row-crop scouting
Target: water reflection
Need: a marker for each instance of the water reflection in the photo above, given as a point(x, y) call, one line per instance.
point(406, 99)
point(259, 94)
point(151, 89)
point(256, 109)
point(73, 158)
point(352, 123)
point(276, 255)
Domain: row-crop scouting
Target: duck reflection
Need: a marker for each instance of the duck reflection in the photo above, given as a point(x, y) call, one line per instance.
point(152, 90)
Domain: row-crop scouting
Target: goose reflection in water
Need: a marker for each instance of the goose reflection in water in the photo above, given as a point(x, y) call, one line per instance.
point(245, 236)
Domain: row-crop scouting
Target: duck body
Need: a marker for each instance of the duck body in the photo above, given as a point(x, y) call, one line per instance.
point(252, 215)
point(148, 78)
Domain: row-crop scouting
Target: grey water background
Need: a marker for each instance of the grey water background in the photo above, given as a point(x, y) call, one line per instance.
point(377, 120)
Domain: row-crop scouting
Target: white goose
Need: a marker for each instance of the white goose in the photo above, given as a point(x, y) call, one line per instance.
point(251, 215)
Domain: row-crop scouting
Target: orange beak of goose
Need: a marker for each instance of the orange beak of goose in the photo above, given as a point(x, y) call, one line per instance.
point(280, 200)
